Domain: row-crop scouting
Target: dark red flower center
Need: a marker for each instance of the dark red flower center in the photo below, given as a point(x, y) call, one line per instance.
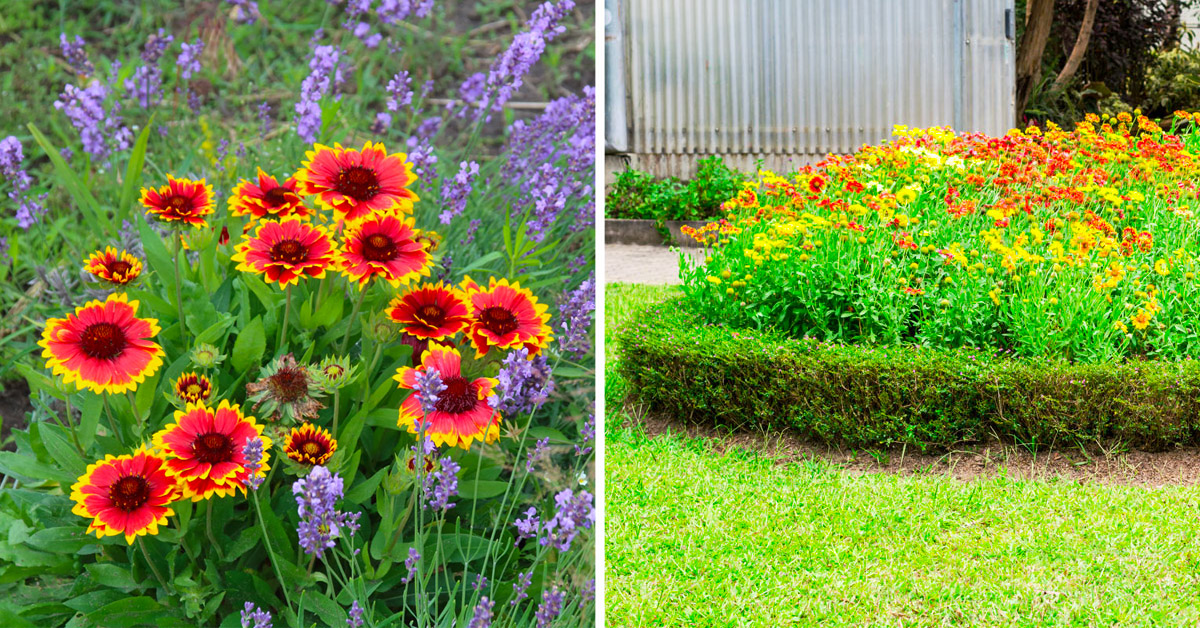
point(431, 315)
point(179, 204)
point(193, 390)
point(412, 464)
point(288, 385)
point(278, 197)
point(129, 493)
point(102, 341)
point(358, 183)
point(459, 396)
point(119, 268)
point(378, 247)
point(212, 448)
point(288, 252)
point(498, 320)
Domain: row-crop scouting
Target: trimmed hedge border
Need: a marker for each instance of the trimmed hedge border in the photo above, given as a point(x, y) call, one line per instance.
point(883, 396)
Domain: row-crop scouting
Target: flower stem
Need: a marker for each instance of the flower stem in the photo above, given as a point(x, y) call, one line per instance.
point(271, 553)
point(337, 396)
point(153, 567)
point(287, 310)
point(134, 409)
point(362, 294)
point(112, 423)
point(179, 290)
point(208, 528)
point(71, 427)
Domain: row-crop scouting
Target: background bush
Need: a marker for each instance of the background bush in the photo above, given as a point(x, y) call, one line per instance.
point(636, 194)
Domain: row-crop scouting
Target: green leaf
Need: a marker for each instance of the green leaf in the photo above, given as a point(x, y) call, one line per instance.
point(363, 490)
point(62, 539)
point(39, 381)
point(133, 172)
point(249, 346)
point(112, 576)
point(159, 259)
point(330, 613)
point(481, 489)
point(134, 611)
point(75, 186)
point(89, 602)
point(90, 407)
point(31, 469)
point(460, 548)
point(13, 620)
point(61, 450)
point(554, 435)
point(248, 539)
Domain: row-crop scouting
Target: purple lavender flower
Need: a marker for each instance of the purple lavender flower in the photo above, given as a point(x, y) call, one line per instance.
point(323, 75)
point(575, 512)
point(100, 128)
point(383, 120)
point(587, 593)
point(66, 153)
point(429, 386)
point(4, 258)
point(527, 528)
point(76, 55)
point(507, 73)
point(445, 485)
point(221, 153)
point(410, 563)
point(472, 227)
point(428, 127)
point(320, 522)
point(245, 11)
point(424, 162)
point(483, 614)
point(254, 617)
point(523, 384)
point(400, 92)
point(189, 58)
point(355, 620)
point(146, 83)
point(575, 319)
point(454, 195)
point(551, 606)
point(29, 207)
point(393, 11)
point(253, 452)
point(362, 31)
point(587, 435)
point(470, 94)
point(524, 580)
point(264, 118)
point(535, 454)
point(480, 582)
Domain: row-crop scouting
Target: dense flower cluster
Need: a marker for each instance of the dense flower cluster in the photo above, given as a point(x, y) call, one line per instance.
point(321, 523)
point(29, 207)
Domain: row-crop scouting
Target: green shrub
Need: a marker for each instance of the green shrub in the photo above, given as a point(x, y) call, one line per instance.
point(636, 194)
point(872, 396)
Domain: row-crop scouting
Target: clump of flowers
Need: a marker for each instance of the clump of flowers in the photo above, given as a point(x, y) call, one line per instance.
point(286, 390)
point(321, 523)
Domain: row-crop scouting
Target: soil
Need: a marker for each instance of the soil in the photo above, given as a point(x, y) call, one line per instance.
point(1177, 467)
point(14, 403)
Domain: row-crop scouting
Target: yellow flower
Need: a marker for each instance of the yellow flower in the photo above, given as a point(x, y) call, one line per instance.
point(716, 281)
point(1141, 320)
point(1161, 268)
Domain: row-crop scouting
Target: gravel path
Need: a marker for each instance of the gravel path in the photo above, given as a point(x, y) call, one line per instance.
point(639, 263)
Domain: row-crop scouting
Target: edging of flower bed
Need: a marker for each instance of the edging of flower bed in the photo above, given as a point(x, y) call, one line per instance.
point(638, 231)
point(882, 396)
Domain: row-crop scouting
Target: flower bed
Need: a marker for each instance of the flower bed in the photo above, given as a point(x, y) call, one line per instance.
point(300, 381)
point(1078, 245)
point(877, 396)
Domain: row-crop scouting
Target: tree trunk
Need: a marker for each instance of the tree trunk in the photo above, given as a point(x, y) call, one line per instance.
point(1080, 47)
point(1030, 49)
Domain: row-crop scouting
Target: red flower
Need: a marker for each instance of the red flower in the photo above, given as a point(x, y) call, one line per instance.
point(432, 312)
point(204, 449)
point(461, 413)
point(115, 268)
point(355, 183)
point(383, 246)
point(125, 495)
point(507, 316)
point(285, 251)
point(180, 200)
point(268, 198)
point(102, 346)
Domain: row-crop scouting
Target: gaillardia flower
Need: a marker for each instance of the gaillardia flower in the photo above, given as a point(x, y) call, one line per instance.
point(285, 251)
point(382, 246)
point(310, 445)
point(432, 312)
point(180, 200)
point(193, 388)
point(506, 316)
point(125, 495)
point(267, 198)
point(286, 390)
point(461, 413)
point(113, 267)
point(204, 449)
point(355, 183)
point(102, 346)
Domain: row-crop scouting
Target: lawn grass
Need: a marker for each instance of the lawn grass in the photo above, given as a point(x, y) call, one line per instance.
point(700, 538)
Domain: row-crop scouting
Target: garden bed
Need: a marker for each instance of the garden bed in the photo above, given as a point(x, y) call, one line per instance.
point(867, 396)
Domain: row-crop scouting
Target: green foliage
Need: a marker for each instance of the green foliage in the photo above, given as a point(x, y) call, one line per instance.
point(636, 194)
point(872, 396)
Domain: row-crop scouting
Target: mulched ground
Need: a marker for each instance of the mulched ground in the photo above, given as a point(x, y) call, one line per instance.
point(1134, 468)
point(14, 403)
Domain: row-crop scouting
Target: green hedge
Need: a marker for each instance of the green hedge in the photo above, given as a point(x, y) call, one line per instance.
point(879, 396)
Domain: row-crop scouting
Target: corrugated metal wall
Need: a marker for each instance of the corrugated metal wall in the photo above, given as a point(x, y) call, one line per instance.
point(805, 77)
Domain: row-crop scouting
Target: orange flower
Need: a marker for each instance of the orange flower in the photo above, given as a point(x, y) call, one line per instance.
point(267, 198)
point(309, 444)
point(432, 312)
point(285, 251)
point(115, 268)
point(506, 316)
point(356, 183)
point(383, 246)
point(102, 346)
point(180, 200)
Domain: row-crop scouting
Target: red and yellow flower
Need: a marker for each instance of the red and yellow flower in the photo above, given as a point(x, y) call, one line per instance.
point(102, 346)
point(461, 414)
point(204, 449)
point(180, 200)
point(506, 316)
point(267, 198)
point(125, 495)
point(355, 183)
point(382, 246)
point(285, 251)
point(432, 312)
point(193, 388)
point(309, 444)
point(115, 268)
